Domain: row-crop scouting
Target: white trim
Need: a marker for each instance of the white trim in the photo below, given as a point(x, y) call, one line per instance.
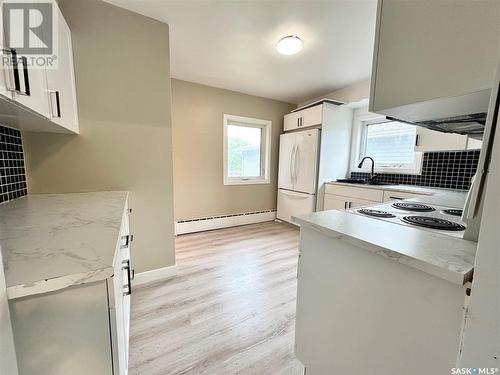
point(209, 223)
point(266, 127)
point(360, 119)
point(154, 275)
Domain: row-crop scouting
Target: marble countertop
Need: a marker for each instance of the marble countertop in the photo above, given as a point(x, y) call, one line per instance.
point(52, 241)
point(443, 256)
point(438, 254)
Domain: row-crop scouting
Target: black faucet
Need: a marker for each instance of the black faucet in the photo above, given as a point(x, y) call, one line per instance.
point(372, 173)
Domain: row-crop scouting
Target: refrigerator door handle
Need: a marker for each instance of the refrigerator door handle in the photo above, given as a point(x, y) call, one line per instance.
point(295, 163)
point(292, 162)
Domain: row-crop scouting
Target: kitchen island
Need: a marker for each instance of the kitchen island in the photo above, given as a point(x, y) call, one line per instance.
point(376, 297)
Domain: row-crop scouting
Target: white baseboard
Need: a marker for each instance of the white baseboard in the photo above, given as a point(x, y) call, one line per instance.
point(225, 221)
point(154, 275)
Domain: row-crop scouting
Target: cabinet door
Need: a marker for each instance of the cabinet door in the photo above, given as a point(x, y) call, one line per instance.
point(61, 81)
point(430, 140)
point(291, 121)
point(6, 78)
point(334, 202)
point(312, 116)
point(116, 309)
point(33, 86)
point(428, 49)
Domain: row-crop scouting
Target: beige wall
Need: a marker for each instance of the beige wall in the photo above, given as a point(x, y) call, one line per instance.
point(197, 118)
point(123, 89)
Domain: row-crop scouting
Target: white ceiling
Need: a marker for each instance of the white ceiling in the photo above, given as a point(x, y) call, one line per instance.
point(231, 44)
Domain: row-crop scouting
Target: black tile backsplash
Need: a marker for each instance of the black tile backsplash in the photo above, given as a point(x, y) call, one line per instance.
point(12, 172)
point(442, 169)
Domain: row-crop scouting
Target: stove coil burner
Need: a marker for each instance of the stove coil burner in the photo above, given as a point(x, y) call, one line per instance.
point(453, 212)
point(408, 206)
point(433, 223)
point(376, 213)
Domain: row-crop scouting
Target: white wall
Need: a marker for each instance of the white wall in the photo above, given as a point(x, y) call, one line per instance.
point(357, 92)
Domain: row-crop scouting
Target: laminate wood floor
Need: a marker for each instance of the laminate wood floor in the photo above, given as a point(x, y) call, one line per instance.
point(229, 310)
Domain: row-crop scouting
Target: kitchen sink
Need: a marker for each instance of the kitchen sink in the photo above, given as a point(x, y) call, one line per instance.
point(352, 180)
point(361, 181)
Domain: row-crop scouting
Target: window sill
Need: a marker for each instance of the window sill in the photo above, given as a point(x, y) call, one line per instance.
point(246, 182)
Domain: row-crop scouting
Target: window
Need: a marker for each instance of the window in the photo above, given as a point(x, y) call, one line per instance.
point(247, 150)
point(392, 145)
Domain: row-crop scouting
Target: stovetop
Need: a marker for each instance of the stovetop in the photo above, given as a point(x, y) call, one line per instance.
point(417, 215)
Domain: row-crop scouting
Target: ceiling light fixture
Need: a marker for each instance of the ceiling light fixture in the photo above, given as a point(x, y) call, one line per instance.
point(289, 45)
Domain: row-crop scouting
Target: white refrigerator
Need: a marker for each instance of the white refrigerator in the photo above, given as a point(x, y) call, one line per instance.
point(298, 173)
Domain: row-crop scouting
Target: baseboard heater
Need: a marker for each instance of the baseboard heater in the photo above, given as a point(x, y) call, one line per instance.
point(222, 221)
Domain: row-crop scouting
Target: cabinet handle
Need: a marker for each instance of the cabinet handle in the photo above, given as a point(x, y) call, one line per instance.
point(27, 90)
point(128, 239)
point(12, 80)
point(345, 205)
point(397, 198)
point(128, 287)
point(15, 71)
point(58, 104)
point(129, 210)
point(301, 121)
point(417, 140)
point(350, 204)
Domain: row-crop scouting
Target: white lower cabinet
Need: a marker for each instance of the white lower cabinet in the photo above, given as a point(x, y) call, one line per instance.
point(81, 329)
point(337, 202)
point(361, 313)
point(340, 197)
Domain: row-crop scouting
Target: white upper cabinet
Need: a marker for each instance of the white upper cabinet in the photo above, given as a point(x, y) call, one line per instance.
point(312, 116)
point(431, 140)
point(431, 49)
point(34, 97)
point(291, 121)
point(61, 82)
point(32, 87)
point(6, 71)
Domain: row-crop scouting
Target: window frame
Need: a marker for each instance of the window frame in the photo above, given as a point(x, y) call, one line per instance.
point(360, 125)
point(265, 148)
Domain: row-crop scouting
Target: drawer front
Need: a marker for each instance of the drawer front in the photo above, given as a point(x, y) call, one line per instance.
point(390, 195)
point(356, 202)
point(374, 195)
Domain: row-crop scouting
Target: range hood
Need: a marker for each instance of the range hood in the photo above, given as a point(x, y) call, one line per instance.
point(464, 114)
